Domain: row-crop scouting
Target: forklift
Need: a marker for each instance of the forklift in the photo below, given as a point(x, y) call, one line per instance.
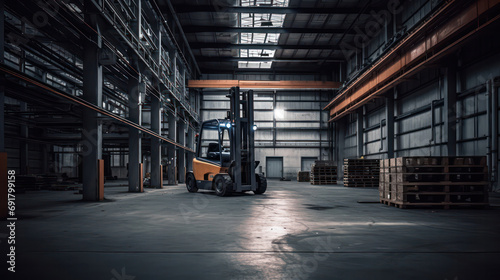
point(225, 154)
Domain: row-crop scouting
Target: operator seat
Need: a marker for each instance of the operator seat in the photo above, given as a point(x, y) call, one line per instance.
point(213, 151)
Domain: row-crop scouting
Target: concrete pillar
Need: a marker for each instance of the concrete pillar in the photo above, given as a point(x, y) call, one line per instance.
point(450, 109)
point(359, 132)
point(172, 131)
point(135, 114)
point(181, 168)
point(190, 144)
point(92, 129)
point(134, 142)
point(23, 144)
point(389, 125)
point(156, 181)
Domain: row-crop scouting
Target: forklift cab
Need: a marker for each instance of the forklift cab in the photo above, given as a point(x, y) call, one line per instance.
point(214, 143)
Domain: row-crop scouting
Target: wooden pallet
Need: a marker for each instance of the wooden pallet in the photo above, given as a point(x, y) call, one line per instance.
point(434, 181)
point(361, 185)
point(450, 161)
point(443, 205)
point(361, 172)
point(323, 182)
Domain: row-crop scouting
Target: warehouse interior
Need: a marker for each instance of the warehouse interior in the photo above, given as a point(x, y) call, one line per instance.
point(102, 102)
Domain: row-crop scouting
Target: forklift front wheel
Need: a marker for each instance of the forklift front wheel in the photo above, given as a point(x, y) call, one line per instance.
point(261, 184)
point(223, 185)
point(191, 183)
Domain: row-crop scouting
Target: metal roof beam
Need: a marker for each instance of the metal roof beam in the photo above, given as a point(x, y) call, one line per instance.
point(224, 29)
point(263, 84)
point(258, 59)
point(264, 10)
point(261, 46)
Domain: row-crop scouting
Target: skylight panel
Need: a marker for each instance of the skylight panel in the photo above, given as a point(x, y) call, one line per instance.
point(255, 64)
point(260, 20)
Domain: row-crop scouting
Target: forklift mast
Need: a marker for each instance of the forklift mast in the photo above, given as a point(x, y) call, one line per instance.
point(241, 115)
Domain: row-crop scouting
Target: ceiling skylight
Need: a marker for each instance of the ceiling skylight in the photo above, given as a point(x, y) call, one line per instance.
point(259, 20)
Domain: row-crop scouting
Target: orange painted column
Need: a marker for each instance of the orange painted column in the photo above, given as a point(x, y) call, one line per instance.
point(100, 182)
point(161, 176)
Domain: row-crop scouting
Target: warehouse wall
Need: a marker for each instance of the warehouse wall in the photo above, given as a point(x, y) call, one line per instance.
point(302, 130)
point(413, 116)
point(383, 31)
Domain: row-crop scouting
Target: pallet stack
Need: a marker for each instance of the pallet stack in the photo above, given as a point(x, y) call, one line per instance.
point(303, 176)
point(361, 172)
point(323, 173)
point(434, 181)
point(384, 186)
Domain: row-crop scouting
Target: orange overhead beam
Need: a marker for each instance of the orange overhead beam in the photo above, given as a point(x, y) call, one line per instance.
point(263, 84)
point(410, 56)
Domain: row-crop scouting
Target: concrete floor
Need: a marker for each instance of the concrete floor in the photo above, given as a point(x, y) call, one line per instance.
point(294, 231)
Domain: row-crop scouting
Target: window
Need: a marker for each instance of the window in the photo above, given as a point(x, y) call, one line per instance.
point(210, 143)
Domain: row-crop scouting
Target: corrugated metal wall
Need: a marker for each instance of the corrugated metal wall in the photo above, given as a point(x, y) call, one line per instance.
point(414, 135)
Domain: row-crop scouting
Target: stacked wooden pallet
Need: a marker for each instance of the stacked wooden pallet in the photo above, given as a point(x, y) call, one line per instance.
point(361, 172)
point(434, 181)
point(303, 176)
point(323, 173)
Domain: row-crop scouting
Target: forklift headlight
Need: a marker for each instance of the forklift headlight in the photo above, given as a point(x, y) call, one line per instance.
point(228, 125)
point(254, 127)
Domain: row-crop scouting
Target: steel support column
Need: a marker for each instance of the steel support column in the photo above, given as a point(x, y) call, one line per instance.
point(172, 129)
point(134, 91)
point(181, 168)
point(359, 132)
point(92, 128)
point(450, 109)
point(190, 144)
point(135, 141)
point(156, 180)
point(389, 125)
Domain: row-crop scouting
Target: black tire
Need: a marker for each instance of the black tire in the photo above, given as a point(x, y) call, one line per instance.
point(261, 184)
point(191, 183)
point(223, 185)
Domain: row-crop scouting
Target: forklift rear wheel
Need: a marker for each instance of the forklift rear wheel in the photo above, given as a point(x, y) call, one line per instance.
point(261, 184)
point(191, 183)
point(223, 185)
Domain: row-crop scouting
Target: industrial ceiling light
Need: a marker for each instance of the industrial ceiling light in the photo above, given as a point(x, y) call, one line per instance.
point(266, 23)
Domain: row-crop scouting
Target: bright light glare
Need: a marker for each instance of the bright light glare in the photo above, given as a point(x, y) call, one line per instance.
point(279, 113)
point(254, 127)
point(228, 125)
